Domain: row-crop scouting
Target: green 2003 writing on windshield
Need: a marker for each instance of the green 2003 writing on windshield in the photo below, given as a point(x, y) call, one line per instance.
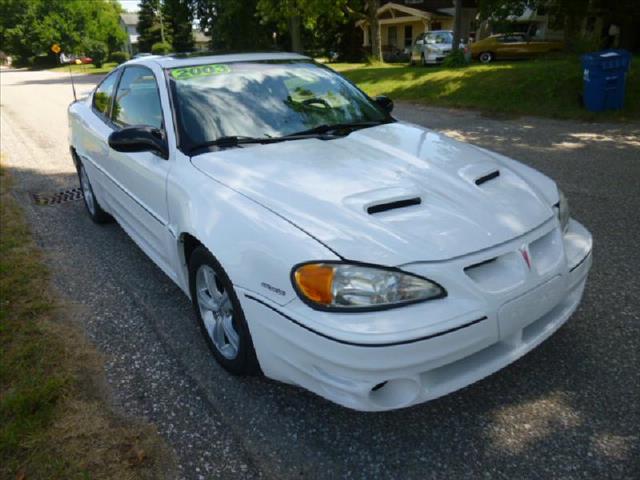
point(199, 71)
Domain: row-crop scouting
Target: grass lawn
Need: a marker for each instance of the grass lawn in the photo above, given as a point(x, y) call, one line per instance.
point(88, 69)
point(54, 420)
point(548, 87)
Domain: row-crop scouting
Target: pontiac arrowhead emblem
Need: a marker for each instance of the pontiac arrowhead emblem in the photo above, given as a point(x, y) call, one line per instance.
point(525, 255)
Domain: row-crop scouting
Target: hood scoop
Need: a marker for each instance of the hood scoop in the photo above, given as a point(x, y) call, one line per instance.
point(485, 178)
point(394, 205)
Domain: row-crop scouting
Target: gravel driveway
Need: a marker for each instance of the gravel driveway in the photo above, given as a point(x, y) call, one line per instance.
point(568, 409)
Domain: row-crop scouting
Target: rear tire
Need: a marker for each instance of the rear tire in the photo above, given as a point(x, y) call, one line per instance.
point(95, 211)
point(486, 57)
point(219, 314)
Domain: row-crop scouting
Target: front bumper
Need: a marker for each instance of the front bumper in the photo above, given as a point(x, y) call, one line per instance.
point(406, 365)
point(435, 57)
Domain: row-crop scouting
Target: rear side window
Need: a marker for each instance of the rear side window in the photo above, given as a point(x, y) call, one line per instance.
point(104, 94)
point(137, 99)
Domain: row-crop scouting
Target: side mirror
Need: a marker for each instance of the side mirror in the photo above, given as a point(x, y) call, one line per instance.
point(139, 139)
point(385, 103)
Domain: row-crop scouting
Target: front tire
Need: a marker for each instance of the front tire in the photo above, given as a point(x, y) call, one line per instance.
point(486, 57)
point(95, 211)
point(220, 314)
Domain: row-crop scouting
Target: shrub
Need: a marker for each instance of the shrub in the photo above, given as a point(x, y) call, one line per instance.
point(160, 48)
point(41, 61)
point(372, 61)
point(585, 44)
point(97, 51)
point(455, 59)
point(119, 57)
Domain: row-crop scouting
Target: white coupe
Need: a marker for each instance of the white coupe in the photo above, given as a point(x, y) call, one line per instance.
point(323, 243)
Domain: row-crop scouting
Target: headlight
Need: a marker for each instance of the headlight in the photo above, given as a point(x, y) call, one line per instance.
point(341, 286)
point(562, 210)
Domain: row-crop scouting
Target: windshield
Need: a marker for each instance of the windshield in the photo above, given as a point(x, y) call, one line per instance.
point(263, 100)
point(440, 38)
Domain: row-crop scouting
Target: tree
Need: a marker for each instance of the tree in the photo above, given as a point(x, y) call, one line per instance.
point(372, 7)
point(178, 18)
point(457, 24)
point(150, 25)
point(499, 10)
point(29, 28)
point(294, 15)
point(234, 25)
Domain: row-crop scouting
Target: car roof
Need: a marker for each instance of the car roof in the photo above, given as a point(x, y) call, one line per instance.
point(439, 31)
point(188, 59)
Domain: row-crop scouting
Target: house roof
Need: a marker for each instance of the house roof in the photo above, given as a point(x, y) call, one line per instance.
point(129, 18)
point(433, 6)
point(425, 9)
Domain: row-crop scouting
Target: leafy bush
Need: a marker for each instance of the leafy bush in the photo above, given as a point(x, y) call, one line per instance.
point(119, 57)
point(455, 59)
point(40, 61)
point(160, 48)
point(97, 51)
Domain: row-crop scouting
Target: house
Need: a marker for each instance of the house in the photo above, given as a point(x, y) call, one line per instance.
point(129, 23)
point(401, 21)
point(200, 40)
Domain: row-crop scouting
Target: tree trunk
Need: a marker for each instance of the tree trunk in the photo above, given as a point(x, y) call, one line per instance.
point(159, 10)
point(376, 37)
point(457, 25)
point(296, 34)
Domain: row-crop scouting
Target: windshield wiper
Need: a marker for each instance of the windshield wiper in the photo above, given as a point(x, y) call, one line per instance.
point(337, 127)
point(321, 131)
point(237, 140)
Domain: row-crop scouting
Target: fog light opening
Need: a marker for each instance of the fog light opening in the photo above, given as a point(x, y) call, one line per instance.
point(394, 393)
point(379, 386)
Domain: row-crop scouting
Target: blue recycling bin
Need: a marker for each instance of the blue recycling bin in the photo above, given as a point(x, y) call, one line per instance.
point(605, 78)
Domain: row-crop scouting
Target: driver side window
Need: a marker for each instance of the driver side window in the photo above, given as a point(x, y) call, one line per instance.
point(137, 99)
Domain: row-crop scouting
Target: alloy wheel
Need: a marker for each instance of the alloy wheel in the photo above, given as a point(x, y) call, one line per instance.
point(87, 192)
point(216, 310)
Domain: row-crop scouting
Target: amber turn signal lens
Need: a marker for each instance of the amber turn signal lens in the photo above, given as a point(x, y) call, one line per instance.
point(315, 281)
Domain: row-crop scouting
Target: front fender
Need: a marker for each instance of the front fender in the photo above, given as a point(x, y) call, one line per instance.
point(256, 247)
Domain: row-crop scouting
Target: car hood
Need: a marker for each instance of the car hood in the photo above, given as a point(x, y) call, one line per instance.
point(359, 194)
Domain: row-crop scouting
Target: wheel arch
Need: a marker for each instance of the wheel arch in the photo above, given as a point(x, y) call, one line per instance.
point(74, 156)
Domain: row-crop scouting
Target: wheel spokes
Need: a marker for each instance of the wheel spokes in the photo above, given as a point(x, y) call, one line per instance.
point(216, 310)
point(230, 332)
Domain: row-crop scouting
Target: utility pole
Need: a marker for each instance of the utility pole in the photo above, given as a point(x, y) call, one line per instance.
point(158, 12)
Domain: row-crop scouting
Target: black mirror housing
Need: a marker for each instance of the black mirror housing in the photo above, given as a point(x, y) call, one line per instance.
point(139, 139)
point(385, 103)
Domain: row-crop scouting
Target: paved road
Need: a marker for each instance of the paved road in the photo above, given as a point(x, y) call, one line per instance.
point(568, 409)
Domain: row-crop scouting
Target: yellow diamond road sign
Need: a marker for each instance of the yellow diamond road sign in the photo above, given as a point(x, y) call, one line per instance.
point(55, 48)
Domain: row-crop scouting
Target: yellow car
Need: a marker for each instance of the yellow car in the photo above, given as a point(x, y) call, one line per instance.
point(512, 45)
